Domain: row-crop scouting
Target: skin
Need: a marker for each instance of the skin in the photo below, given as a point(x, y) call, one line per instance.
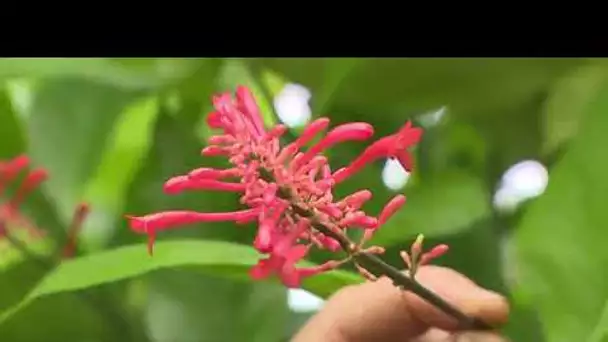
point(378, 311)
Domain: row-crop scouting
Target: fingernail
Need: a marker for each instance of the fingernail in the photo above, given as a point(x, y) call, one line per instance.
point(485, 294)
point(479, 337)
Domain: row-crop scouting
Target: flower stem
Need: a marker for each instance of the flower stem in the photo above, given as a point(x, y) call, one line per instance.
point(378, 268)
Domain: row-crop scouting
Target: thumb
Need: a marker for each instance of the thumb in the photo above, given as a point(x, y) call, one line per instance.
point(379, 311)
point(460, 291)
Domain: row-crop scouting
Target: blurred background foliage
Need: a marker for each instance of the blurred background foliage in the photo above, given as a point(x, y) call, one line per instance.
point(510, 173)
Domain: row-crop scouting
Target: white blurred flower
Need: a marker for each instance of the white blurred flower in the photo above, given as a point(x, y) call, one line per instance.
point(432, 118)
point(292, 105)
point(394, 175)
point(21, 94)
point(522, 181)
point(303, 301)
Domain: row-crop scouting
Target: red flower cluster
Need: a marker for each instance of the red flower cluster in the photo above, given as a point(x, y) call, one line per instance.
point(11, 217)
point(274, 181)
point(10, 214)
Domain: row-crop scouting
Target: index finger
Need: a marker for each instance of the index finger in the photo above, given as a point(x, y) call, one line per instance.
point(379, 311)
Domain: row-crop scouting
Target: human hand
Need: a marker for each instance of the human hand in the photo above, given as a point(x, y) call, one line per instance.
point(379, 311)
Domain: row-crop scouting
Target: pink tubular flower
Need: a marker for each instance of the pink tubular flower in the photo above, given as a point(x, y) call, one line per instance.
point(283, 264)
point(11, 217)
point(280, 183)
point(10, 214)
point(149, 224)
point(393, 146)
point(416, 258)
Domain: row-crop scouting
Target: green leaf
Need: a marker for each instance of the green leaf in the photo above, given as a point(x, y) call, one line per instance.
point(129, 144)
point(193, 96)
point(131, 73)
point(562, 110)
point(188, 306)
point(330, 76)
point(600, 332)
point(10, 256)
point(130, 261)
point(63, 317)
point(446, 147)
point(296, 322)
point(337, 73)
point(467, 86)
point(442, 205)
point(560, 244)
point(69, 123)
point(17, 280)
point(11, 132)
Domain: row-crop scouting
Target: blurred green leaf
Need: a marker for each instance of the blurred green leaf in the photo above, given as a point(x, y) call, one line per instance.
point(324, 76)
point(11, 132)
point(10, 256)
point(17, 280)
point(296, 322)
point(94, 314)
point(62, 317)
point(562, 110)
point(126, 73)
point(189, 306)
point(445, 147)
point(336, 73)
point(69, 124)
point(193, 96)
point(438, 206)
point(468, 86)
point(131, 261)
point(130, 141)
point(560, 246)
point(273, 82)
point(600, 331)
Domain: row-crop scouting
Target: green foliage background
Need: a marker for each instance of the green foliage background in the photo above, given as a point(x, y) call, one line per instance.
point(111, 131)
